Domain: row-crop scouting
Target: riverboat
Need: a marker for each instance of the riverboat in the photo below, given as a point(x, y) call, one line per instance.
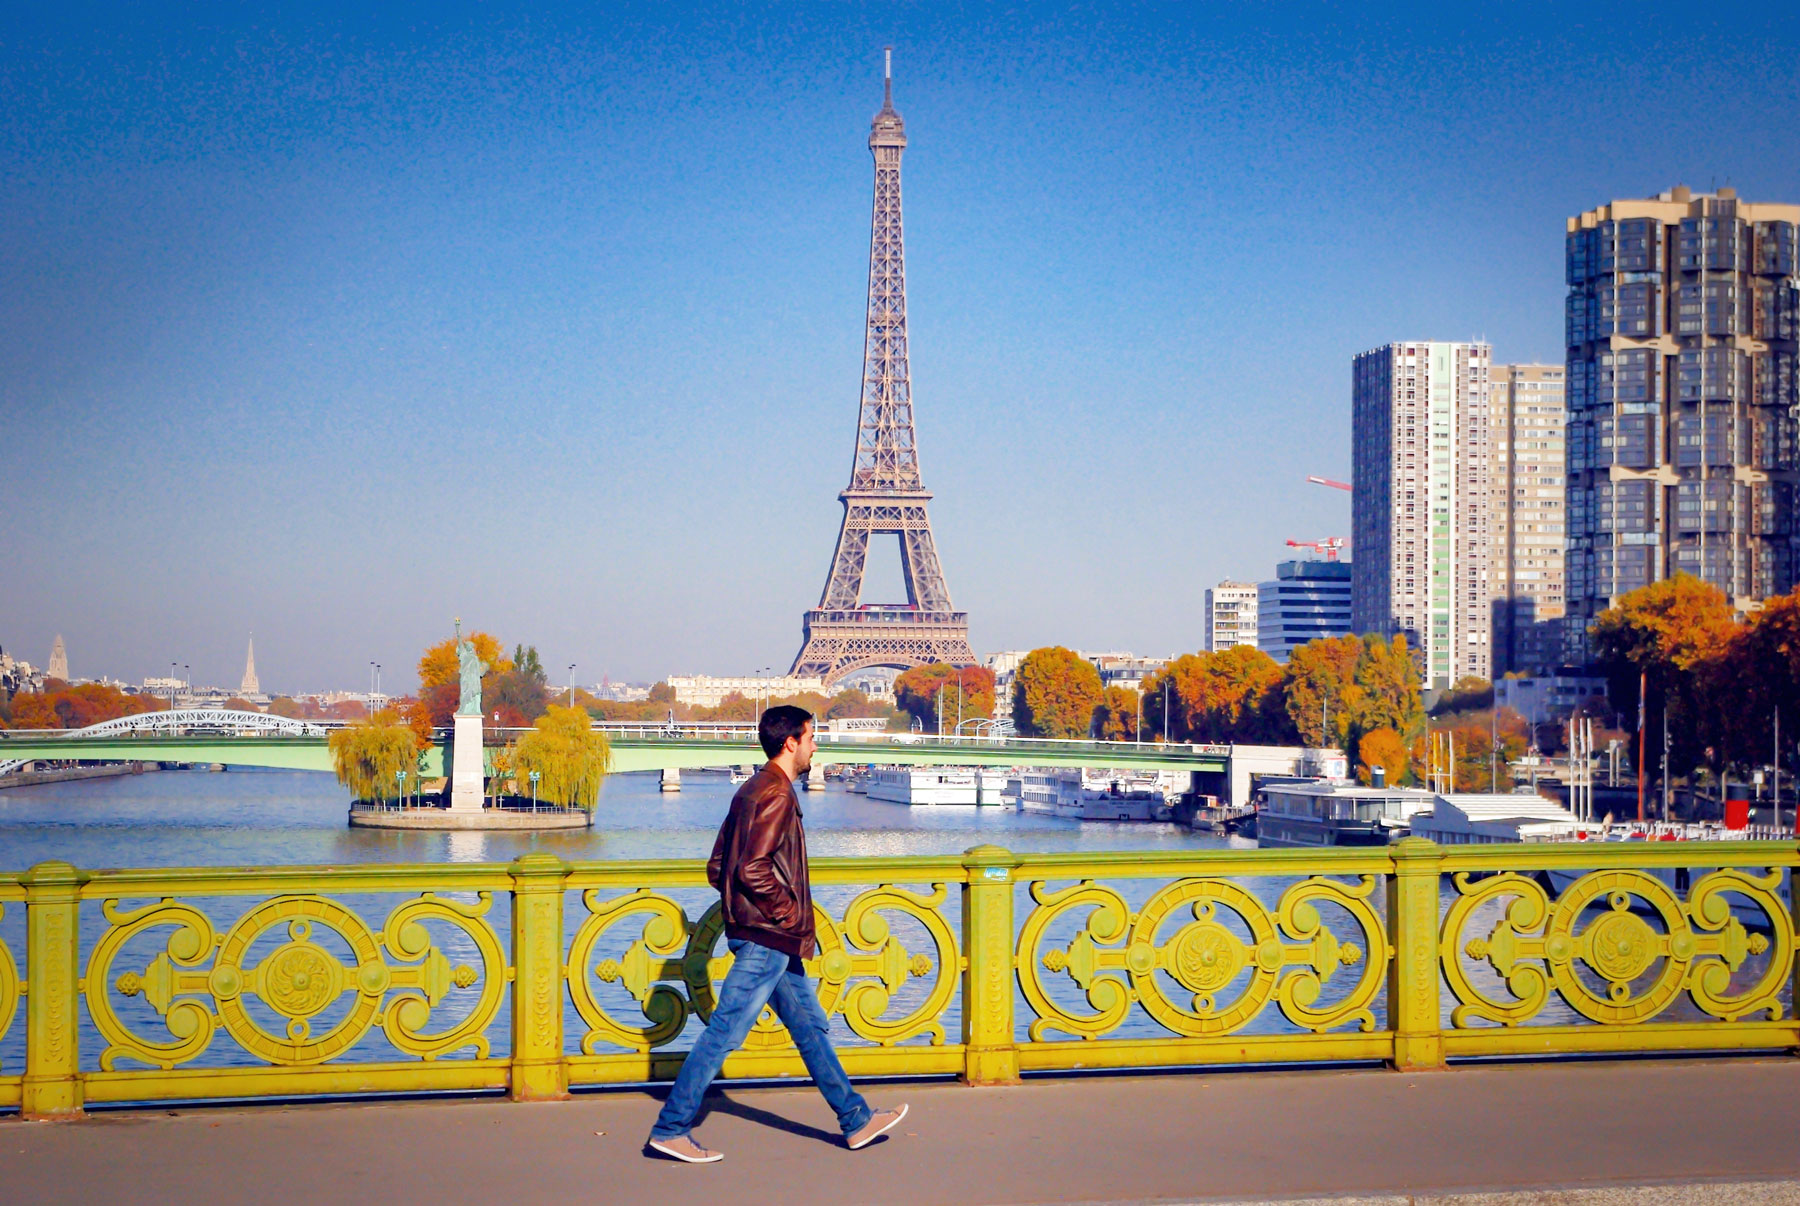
point(1325, 812)
point(929, 785)
point(1088, 796)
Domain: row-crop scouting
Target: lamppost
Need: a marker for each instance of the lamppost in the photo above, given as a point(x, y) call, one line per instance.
point(174, 681)
point(534, 779)
point(187, 674)
point(400, 785)
point(377, 688)
point(762, 693)
point(1137, 734)
point(1165, 739)
point(959, 697)
point(571, 684)
point(369, 699)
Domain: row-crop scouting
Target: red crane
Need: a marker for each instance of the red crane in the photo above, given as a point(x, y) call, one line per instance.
point(1325, 481)
point(1328, 546)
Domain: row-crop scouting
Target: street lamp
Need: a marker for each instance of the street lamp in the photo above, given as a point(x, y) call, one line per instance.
point(1165, 710)
point(174, 681)
point(959, 696)
point(534, 778)
point(400, 783)
point(571, 684)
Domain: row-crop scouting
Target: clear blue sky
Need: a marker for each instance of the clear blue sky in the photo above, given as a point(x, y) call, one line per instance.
point(334, 325)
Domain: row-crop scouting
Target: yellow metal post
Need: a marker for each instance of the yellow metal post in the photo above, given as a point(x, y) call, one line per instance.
point(990, 1057)
point(539, 1070)
point(1413, 979)
point(52, 1083)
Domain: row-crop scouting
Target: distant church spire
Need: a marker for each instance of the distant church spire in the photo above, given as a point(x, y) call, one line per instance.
point(59, 660)
point(250, 686)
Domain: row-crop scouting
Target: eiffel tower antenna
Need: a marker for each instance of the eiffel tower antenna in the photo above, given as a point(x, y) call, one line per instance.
point(885, 495)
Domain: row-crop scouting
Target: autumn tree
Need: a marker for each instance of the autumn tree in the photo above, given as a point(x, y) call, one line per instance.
point(1753, 678)
point(1116, 715)
point(1232, 695)
point(1322, 689)
point(917, 691)
point(1387, 749)
point(1055, 691)
point(1667, 635)
point(438, 664)
point(1469, 694)
point(369, 754)
point(662, 693)
point(1389, 681)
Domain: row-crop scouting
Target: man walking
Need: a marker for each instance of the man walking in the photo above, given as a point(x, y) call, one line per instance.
point(758, 866)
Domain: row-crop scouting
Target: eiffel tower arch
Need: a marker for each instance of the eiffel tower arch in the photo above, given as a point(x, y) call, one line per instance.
point(885, 496)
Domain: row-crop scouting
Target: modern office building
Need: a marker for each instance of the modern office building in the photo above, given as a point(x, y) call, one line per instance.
point(1682, 318)
point(1306, 601)
point(1525, 412)
point(1230, 615)
point(1422, 495)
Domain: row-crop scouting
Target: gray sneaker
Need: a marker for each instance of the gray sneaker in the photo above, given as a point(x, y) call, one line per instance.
point(683, 1148)
point(878, 1124)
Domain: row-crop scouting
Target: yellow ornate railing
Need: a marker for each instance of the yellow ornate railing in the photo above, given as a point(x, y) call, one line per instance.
point(532, 977)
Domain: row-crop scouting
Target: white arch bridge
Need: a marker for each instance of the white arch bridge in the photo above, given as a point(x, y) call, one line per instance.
point(176, 723)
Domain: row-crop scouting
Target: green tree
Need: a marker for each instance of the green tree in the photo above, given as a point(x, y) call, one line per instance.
point(1055, 691)
point(526, 662)
point(570, 758)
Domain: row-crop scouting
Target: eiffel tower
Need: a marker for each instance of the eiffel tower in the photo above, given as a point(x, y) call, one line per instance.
point(842, 634)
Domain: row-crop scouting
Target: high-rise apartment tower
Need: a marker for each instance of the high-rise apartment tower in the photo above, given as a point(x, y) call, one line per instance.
point(1421, 502)
point(1682, 317)
point(1525, 410)
point(1230, 615)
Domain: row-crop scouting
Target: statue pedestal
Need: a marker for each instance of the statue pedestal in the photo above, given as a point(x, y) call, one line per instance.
point(467, 780)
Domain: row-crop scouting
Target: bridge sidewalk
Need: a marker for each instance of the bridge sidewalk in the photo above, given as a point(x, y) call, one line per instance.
point(1717, 1131)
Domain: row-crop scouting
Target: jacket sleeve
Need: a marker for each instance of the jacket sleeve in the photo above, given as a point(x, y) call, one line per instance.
point(756, 864)
point(717, 861)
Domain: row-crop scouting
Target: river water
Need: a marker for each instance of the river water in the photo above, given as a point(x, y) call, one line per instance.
point(254, 818)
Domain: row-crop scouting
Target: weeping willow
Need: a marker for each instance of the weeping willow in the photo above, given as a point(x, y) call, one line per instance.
point(569, 756)
point(368, 756)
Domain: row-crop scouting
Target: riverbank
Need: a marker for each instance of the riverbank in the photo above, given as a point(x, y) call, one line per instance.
point(72, 774)
point(1640, 1132)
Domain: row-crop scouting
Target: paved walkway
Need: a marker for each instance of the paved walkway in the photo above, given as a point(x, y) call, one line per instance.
point(1723, 1131)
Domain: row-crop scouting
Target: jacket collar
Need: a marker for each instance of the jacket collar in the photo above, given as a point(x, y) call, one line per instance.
point(772, 765)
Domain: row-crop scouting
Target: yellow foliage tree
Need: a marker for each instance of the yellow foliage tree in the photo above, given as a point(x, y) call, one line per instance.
point(369, 754)
point(438, 665)
point(569, 756)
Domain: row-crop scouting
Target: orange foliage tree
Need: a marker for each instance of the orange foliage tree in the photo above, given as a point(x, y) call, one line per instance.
point(916, 691)
point(1055, 691)
point(440, 678)
point(1235, 694)
point(1387, 749)
point(1670, 634)
point(1116, 716)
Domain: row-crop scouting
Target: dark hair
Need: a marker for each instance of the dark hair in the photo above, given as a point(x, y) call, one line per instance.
point(778, 724)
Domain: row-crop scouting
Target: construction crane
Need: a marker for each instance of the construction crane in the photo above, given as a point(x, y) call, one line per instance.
point(1325, 481)
point(1328, 546)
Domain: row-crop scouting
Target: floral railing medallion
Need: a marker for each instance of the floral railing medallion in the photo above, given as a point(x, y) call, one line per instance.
point(202, 980)
point(672, 968)
point(1204, 956)
point(1536, 946)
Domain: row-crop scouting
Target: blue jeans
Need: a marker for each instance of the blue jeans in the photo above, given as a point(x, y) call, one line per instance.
point(760, 976)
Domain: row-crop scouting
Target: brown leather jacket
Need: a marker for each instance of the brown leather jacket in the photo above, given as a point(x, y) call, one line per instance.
point(758, 865)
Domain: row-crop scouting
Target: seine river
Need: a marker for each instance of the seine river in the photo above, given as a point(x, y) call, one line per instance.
point(254, 818)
